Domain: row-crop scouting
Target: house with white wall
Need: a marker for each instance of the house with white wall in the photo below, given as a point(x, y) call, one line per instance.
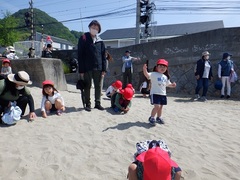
point(116, 38)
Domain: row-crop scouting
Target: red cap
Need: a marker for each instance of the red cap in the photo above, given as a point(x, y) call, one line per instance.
point(6, 61)
point(48, 37)
point(127, 93)
point(156, 164)
point(163, 62)
point(47, 82)
point(117, 84)
point(129, 86)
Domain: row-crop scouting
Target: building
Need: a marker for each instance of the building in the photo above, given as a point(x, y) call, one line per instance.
point(116, 38)
point(58, 43)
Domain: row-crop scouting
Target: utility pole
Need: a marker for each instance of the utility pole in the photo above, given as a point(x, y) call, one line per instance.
point(32, 25)
point(138, 25)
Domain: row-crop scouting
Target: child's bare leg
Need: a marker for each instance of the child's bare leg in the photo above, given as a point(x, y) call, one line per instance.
point(48, 106)
point(132, 172)
point(178, 175)
point(154, 110)
point(59, 105)
point(159, 112)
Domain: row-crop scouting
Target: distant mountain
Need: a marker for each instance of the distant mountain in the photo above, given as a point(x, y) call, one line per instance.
point(50, 26)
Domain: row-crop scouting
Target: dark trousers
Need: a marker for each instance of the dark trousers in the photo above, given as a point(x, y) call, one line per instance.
point(113, 98)
point(202, 82)
point(21, 102)
point(96, 76)
point(127, 77)
point(145, 91)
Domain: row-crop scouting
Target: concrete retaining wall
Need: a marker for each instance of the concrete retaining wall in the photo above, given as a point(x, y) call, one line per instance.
point(40, 69)
point(182, 54)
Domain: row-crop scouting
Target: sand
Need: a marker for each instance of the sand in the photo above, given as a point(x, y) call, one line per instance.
point(80, 145)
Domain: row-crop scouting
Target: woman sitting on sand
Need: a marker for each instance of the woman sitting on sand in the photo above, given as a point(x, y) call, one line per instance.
point(13, 88)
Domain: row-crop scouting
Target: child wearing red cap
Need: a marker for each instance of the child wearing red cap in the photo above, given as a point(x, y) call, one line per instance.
point(129, 85)
point(112, 89)
point(6, 68)
point(153, 162)
point(159, 82)
point(52, 101)
point(121, 102)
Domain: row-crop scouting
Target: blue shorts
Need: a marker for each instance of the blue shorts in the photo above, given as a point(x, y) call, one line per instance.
point(158, 99)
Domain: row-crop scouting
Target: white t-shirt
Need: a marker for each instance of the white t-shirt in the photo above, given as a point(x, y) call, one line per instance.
point(143, 85)
point(109, 90)
point(159, 83)
point(206, 70)
point(52, 99)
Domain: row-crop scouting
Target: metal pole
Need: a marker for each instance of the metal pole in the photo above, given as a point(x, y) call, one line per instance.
point(32, 26)
point(138, 13)
point(41, 48)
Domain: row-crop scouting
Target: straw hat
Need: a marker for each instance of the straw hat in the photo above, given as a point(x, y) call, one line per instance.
point(21, 78)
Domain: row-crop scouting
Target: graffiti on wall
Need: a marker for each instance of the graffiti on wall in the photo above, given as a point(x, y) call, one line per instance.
point(175, 50)
point(197, 48)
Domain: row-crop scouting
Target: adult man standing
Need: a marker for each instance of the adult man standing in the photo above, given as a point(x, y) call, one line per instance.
point(92, 63)
point(127, 68)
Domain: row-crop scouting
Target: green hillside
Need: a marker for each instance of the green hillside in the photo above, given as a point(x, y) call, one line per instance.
point(50, 26)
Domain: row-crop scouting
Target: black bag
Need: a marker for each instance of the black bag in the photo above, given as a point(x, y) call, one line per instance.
point(80, 84)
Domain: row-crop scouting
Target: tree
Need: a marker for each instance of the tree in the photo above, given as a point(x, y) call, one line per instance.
point(77, 34)
point(8, 33)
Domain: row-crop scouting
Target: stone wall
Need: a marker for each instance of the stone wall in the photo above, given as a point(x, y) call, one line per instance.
point(182, 54)
point(40, 69)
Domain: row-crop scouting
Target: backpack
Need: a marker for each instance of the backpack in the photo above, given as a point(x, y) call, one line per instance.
point(12, 114)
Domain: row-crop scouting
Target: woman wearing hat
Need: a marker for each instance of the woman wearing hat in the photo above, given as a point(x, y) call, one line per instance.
point(11, 53)
point(13, 88)
point(203, 73)
point(225, 69)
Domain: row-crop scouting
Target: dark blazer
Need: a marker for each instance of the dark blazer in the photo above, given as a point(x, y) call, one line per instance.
point(91, 56)
point(200, 68)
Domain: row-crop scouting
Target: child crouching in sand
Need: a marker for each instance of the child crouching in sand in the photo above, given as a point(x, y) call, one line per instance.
point(112, 89)
point(121, 102)
point(52, 100)
point(159, 82)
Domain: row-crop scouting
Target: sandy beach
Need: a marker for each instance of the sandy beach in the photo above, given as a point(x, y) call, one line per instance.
point(99, 145)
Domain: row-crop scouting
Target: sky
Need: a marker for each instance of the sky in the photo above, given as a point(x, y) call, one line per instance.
point(116, 14)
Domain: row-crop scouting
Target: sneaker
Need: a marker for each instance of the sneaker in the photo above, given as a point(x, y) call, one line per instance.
point(88, 108)
point(116, 109)
point(197, 97)
point(99, 107)
point(152, 121)
point(59, 112)
point(228, 96)
point(160, 120)
point(204, 98)
point(222, 96)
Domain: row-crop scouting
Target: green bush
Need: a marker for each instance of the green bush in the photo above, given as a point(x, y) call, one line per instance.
point(66, 68)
